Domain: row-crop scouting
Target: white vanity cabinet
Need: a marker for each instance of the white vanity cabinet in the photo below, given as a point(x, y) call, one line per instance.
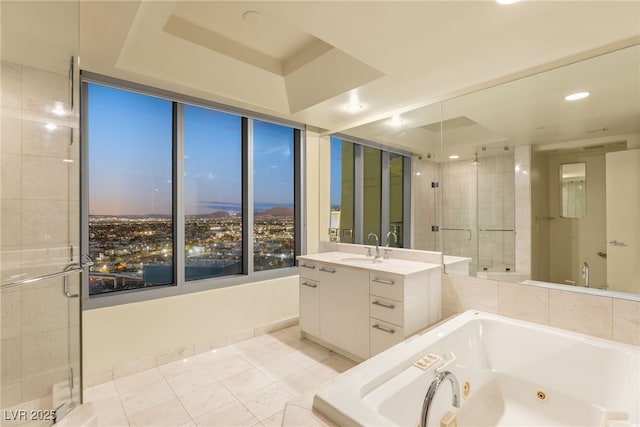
point(401, 305)
point(361, 310)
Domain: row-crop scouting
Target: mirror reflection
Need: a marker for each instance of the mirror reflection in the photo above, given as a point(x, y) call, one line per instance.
point(572, 177)
point(535, 180)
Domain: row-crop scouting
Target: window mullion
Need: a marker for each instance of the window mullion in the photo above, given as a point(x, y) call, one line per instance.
point(299, 149)
point(406, 220)
point(358, 194)
point(247, 195)
point(178, 191)
point(384, 195)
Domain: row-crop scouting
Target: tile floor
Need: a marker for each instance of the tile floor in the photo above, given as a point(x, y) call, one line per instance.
point(243, 384)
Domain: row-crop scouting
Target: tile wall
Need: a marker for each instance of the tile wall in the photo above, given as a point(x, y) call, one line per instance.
point(605, 317)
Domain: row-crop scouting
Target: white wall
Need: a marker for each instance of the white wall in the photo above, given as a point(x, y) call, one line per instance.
point(128, 338)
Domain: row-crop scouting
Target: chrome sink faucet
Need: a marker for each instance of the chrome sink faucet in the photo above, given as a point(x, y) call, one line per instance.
point(431, 392)
point(377, 255)
point(395, 238)
point(395, 241)
point(585, 274)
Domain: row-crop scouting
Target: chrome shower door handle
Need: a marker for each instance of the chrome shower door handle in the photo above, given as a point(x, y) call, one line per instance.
point(65, 288)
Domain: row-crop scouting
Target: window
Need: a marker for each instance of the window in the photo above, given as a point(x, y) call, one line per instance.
point(212, 193)
point(131, 225)
point(370, 193)
point(273, 192)
point(184, 195)
point(342, 185)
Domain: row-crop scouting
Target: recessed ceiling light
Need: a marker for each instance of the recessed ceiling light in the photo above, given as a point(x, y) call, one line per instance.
point(58, 110)
point(454, 156)
point(507, 1)
point(576, 96)
point(395, 121)
point(51, 126)
point(354, 107)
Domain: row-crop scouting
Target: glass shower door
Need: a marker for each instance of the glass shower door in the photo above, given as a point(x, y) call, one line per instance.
point(40, 268)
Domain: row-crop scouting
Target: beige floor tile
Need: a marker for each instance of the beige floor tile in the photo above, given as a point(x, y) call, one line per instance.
point(191, 381)
point(146, 397)
point(266, 401)
point(289, 345)
point(229, 367)
point(206, 399)
point(170, 413)
point(110, 413)
point(274, 420)
point(331, 367)
point(103, 391)
point(246, 382)
point(129, 383)
point(180, 367)
point(217, 354)
point(259, 355)
point(301, 382)
point(231, 414)
point(296, 416)
point(310, 355)
point(248, 344)
point(279, 368)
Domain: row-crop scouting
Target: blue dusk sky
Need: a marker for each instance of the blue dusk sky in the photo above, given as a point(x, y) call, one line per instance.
point(130, 157)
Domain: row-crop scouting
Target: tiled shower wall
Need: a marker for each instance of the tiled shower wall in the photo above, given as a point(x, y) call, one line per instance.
point(39, 221)
point(601, 316)
point(496, 213)
point(498, 188)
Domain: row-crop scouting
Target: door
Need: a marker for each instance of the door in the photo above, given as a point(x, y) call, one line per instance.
point(623, 221)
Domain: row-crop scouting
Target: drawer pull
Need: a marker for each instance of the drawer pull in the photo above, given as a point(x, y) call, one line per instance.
point(308, 266)
point(386, 282)
point(311, 285)
point(381, 304)
point(327, 270)
point(383, 329)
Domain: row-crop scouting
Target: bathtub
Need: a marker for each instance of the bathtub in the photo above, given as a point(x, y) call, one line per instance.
point(511, 373)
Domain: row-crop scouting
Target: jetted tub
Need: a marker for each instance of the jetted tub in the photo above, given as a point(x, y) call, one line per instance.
point(511, 373)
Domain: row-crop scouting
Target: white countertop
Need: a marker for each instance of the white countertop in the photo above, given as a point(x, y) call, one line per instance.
point(348, 259)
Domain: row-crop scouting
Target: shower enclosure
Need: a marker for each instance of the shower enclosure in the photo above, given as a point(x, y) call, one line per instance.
point(40, 264)
point(478, 203)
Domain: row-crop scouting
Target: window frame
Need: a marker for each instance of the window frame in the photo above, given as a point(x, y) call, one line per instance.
point(180, 285)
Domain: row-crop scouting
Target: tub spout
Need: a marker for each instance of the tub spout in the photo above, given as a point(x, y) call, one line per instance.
point(431, 392)
point(585, 274)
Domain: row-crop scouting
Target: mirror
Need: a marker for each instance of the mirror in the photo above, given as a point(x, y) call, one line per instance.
point(573, 189)
point(501, 157)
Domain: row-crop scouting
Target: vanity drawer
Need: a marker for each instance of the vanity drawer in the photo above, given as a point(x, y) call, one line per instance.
point(384, 335)
point(309, 270)
point(386, 310)
point(386, 285)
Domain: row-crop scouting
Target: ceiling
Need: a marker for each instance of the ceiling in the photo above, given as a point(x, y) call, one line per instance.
point(306, 61)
